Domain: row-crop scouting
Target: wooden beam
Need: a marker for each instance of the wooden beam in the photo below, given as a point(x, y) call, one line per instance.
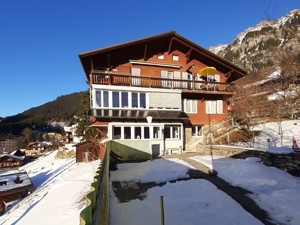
point(145, 52)
point(188, 54)
point(108, 60)
point(101, 132)
point(228, 75)
point(170, 45)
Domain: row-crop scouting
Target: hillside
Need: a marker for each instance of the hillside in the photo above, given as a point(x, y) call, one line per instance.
point(45, 116)
point(261, 48)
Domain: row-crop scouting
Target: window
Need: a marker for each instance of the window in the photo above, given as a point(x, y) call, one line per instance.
point(214, 107)
point(134, 100)
point(98, 98)
point(156, 133)
point(172, 132)
point(124, 99)
point(138, 132)
point(105, 99)
point(142, 100)
point(175, 57)
point(160, 56)
point(116, 133)
point(116, 99)
point(197, 131)
point(190, 105)
point(127, 132)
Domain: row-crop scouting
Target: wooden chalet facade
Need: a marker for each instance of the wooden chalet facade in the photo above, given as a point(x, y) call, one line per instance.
point(157, 76)
point(10, 161)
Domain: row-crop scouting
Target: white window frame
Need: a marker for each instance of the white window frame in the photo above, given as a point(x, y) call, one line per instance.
point(214, 107)
point(100, 93)
point(175, 57)
point(190, 106)
point(160, 56)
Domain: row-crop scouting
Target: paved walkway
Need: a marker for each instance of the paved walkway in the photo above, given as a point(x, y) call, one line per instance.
point(237, 193)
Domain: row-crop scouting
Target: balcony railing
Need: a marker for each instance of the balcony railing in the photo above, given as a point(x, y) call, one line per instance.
point(152, 82)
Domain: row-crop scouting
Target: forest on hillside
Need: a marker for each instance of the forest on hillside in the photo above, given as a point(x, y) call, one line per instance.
point(63, 109)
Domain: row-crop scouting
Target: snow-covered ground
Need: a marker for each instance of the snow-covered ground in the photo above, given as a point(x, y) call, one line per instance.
point(196, 202)
point(61, 186)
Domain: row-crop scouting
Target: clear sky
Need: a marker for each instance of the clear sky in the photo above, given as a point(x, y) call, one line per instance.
point(40, 40)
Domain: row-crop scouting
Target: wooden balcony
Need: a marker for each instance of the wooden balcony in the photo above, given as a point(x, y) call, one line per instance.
point(187, 86)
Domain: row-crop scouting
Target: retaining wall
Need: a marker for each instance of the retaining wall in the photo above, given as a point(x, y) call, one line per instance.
point(287, 162)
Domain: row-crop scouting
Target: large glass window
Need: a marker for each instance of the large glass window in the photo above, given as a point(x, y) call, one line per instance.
point(156, 133)
point(116, 132)
point(172, 132)
point(138, 132)
point(146, 133)
point(116, 99)
point(124, 97)
point(98, 98)
point(134, 100)
point(105, 99)
point(120, 99)
point(127, 132)
point(142, 100)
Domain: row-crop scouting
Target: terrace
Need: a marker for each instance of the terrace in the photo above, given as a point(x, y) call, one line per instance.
point(187, 86)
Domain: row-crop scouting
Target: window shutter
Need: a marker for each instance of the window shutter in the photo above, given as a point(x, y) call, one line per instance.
point(207, 107)
point(164, 75)
point(184, 77)
point(136, 72)
point(176, 77)
point(219, 107)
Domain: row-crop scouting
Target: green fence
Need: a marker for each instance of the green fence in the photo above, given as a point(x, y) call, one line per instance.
point(97, 200)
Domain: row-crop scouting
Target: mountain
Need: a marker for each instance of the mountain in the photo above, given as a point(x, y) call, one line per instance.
point(45, 117)
point(263, 46)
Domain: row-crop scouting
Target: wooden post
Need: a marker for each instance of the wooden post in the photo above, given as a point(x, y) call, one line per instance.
point(162, 214)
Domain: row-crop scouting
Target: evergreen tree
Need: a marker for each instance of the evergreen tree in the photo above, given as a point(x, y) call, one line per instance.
point(84, 129)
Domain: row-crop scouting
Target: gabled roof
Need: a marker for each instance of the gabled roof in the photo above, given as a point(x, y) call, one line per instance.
point(170, 39)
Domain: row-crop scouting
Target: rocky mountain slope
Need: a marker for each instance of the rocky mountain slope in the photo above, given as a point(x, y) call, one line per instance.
point(262, 47)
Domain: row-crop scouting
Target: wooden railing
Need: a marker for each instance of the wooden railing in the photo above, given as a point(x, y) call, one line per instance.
point(142, 81)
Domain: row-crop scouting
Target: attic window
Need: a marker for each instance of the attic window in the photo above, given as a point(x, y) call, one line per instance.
point(160, 56)
point(175, 57)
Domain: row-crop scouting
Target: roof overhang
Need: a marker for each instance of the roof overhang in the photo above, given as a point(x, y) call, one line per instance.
point(170, 39)
point(139, 115)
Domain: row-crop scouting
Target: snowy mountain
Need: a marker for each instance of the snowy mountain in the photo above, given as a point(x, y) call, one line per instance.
point(262, 46)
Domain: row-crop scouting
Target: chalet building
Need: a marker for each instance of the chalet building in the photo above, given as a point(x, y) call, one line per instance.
point(35, 148)
point(10, 161)
point(178, 85)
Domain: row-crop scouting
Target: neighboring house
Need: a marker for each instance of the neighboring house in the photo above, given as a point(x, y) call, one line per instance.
point(14, 185)
point(35, 148)
point(181, 86)
point(9, 161)
point(89, 151)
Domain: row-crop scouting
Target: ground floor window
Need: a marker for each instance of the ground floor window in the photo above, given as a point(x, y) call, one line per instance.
point(156, 132)
point(197, 131)
point(172, 132)
point(136, 132)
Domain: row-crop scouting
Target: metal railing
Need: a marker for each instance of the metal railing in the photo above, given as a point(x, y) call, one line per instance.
point(154, 82)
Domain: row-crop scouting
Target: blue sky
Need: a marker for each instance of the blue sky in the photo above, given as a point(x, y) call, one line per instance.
point(40, 40)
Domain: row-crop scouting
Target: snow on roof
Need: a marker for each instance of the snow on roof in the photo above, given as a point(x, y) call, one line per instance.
point(10, 181)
